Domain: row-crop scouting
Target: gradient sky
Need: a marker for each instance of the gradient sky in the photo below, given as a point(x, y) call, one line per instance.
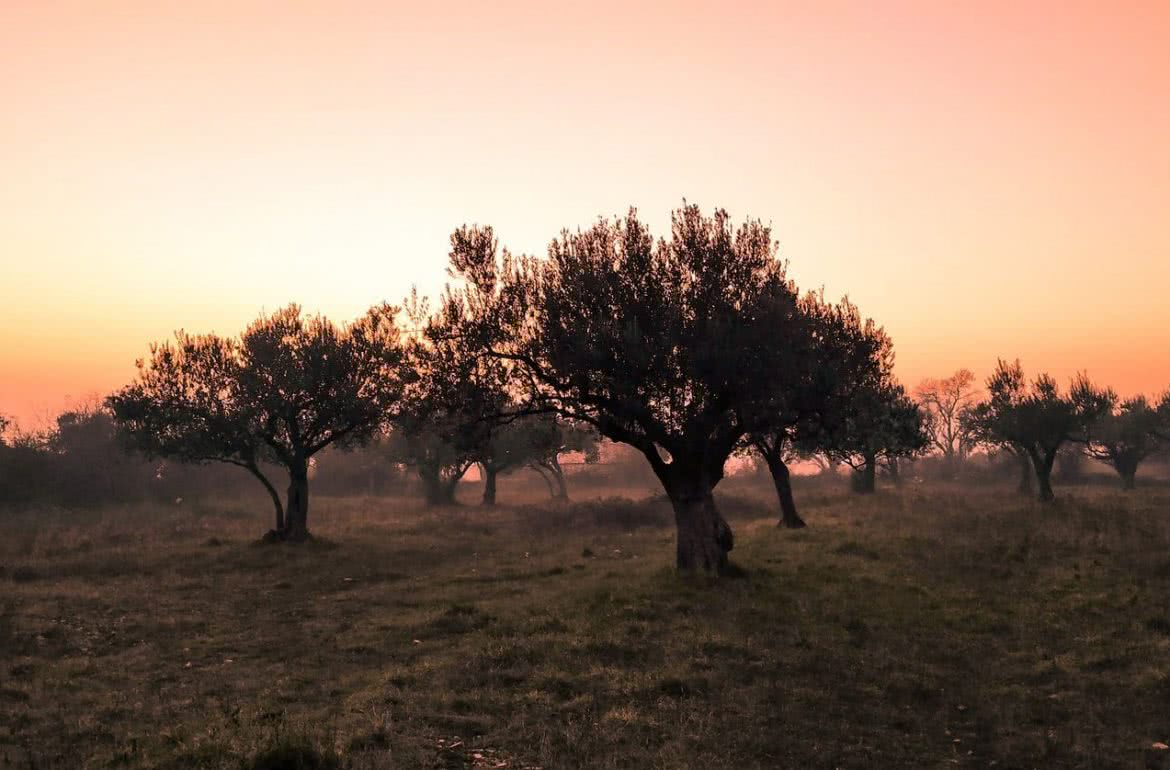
point(985, 178)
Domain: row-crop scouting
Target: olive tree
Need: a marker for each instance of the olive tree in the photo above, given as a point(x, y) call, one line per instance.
point(1124, 433)
point(880, 423)
point(656, 344)
point(1033, 420)
point(809, 397)
point(459, 410)
point(286, 388)
point(552, 436)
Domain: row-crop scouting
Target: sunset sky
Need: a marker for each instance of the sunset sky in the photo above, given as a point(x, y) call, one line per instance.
point(987, 179)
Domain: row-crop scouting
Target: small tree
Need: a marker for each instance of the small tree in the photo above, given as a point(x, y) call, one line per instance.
point(1162, 430)
point(459, 410)
point(656, 345)
point(1124, 434)
point(285, 389)
point(945, 403)
point(429, 443)
point(512, 444)
point(810, 397)
point(880, 423)
point(1034, 420)
point(551, 437)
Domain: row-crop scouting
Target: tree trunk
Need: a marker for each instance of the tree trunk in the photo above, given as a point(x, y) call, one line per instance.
point(1043, 467)
point(546, 477)
point(297, 509)
point(1128, 472)
point(782, 479)
point(276, 501)
point(703, 536)
point(436, 491)
point(866, 481)
point(489, 484)
point(1025, 485)
point(895, 471)
point(558, 476)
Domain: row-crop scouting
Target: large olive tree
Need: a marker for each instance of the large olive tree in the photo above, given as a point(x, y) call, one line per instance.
point(285, 389)
point(657, 344)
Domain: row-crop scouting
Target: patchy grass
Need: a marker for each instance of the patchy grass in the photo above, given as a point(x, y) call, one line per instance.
point(922, 628)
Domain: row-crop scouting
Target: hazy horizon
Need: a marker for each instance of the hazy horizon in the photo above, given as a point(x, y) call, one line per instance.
point(988, 181)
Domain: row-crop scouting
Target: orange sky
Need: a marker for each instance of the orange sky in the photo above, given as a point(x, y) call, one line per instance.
point(985, 178)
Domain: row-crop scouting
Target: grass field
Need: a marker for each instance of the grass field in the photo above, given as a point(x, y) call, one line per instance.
point(918, 628)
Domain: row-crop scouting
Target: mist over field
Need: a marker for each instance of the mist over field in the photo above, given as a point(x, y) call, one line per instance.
point(608, 385)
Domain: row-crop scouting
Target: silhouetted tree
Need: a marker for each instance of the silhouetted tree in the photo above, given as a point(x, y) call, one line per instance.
point(831, 353)
point(459, 411)
point(1035, 420)
point(945, 403)
point(553, 436)
point(512, 444)
point(880, 422)
point(1124, 434)
point(285, 389)
point(1162, 431)
point(656, 345)
point(429, 442)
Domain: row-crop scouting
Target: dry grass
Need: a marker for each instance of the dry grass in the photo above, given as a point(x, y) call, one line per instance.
point(922, 628)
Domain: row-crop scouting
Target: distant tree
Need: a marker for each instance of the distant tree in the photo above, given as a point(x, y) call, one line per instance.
point(1124, 434)
point(285, 389)
point(945, 402)
point(89, 460)
point(1070, 464)
point(429, 442)
point(1034, 421)
point(880, 423)
point(656, 345)
point(1162, 431)
point(832, 353)
point(553, 436)
point(510, 445)
point(460, 410)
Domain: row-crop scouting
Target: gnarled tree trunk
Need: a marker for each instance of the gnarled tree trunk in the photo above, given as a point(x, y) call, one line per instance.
point(704, 537)
point(1043, 464)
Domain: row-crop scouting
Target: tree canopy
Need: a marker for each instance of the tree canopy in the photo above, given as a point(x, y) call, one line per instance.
point(657, 344)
